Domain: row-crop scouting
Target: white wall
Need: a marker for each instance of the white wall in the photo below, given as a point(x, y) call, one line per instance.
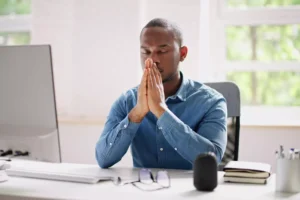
point(95, 51)
point(96, 47)
point(52, 25)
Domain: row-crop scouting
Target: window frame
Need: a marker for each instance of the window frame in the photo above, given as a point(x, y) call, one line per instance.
point(15, 23)
point(222, 16)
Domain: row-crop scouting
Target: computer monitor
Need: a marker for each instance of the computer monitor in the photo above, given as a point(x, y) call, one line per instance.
point(28, 117)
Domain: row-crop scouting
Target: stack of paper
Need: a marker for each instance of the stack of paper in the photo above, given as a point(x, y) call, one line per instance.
point(247, 172)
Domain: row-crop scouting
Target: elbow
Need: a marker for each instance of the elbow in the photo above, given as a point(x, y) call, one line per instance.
point(219, 159)
point(103, 164)
point(219, 153)
point(102, 160)
point(220, 148)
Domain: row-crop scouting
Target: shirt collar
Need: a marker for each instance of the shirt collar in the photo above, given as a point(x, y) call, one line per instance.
point(181, 92)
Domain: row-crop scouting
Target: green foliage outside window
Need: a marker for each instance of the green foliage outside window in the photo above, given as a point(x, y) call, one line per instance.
point(18, 7)
point(265, 43)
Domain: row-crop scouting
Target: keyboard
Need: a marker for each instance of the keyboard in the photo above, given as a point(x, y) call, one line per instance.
point(48, 172)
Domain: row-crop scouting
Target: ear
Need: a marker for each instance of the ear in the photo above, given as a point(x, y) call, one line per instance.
point(183, 53)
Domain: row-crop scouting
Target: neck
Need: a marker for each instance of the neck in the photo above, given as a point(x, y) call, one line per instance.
point(171, 86)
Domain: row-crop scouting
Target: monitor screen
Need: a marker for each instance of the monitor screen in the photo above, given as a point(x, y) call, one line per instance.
point(28, 118)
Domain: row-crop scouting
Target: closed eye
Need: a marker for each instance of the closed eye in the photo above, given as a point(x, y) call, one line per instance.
point(145, 52)
point(163, 51)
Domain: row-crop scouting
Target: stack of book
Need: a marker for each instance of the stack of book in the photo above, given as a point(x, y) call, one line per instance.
point(247, 172)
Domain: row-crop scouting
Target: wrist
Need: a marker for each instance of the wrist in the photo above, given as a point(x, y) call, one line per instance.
point(135, 115)
point(159, 111)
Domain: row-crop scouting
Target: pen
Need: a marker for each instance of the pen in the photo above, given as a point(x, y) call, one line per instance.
point(276, 154)
point(297, 154)
point(281, 152)
point(291, 155)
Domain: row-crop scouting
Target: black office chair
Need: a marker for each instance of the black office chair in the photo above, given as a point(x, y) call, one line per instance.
point(231, 93)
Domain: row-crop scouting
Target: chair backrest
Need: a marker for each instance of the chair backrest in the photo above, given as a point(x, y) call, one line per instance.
point(231, 93)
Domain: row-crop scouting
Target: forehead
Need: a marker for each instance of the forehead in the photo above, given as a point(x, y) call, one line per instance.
point(155, 36)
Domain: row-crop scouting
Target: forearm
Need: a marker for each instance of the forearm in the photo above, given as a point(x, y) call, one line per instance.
point(136, 115)
point(114, 142)
point(188, 143)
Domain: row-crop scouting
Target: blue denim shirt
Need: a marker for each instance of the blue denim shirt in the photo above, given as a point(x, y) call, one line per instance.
point(195, 124)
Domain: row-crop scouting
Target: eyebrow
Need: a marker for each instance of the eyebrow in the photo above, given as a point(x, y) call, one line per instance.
point(164, 45)
point(160, 46)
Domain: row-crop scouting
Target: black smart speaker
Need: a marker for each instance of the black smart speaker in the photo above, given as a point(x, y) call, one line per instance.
point(206, 172)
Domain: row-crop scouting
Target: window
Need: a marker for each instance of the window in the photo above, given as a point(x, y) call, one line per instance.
point(266, 44)
point(15, 7)
point(15, 22)
point(14, 38)
point(246, 4)
point(257, 46)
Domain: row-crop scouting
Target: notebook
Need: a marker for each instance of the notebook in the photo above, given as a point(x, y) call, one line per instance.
point(246, 180)
point(247, 172)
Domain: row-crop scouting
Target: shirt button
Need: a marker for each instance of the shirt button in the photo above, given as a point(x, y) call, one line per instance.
point(125, 126)
point(161, 149)
point(175, 149)
point(110, 144)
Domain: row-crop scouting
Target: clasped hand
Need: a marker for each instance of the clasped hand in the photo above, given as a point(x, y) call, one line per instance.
point(150, 95)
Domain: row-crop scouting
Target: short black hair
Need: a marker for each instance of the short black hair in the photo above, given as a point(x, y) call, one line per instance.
point(164, 23)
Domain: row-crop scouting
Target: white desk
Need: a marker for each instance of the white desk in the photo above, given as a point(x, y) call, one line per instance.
point(181, 188)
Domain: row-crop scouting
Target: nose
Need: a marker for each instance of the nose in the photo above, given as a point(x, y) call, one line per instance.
point(155, 58)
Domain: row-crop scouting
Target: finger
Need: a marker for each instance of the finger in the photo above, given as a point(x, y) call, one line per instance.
point(150, 62)
point(144, 78)
point(154, 76)
point(150, 79)
point(157, 74)
point(143, 85)
point(147, 63)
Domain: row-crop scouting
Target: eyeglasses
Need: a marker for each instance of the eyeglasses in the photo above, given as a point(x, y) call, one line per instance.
point(147, 182)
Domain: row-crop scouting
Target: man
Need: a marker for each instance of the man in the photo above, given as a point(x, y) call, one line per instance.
point(168, 119)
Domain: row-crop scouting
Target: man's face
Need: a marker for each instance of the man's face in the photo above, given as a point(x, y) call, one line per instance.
point(160, 45)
